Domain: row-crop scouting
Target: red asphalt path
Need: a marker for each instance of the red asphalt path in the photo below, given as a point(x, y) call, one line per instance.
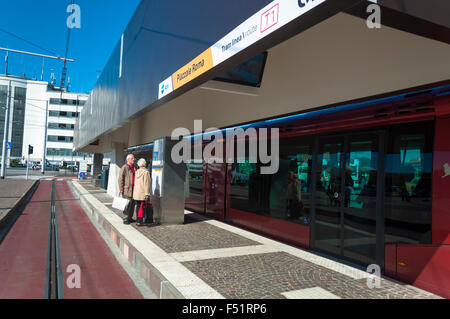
point(24, 252)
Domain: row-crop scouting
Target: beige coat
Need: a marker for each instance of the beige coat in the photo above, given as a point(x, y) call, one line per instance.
point(142, 184)
point(126, 181)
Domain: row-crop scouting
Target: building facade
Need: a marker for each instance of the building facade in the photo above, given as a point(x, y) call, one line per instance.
point(29, 101)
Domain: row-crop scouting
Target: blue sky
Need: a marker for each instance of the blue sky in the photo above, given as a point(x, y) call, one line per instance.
point(43, 22)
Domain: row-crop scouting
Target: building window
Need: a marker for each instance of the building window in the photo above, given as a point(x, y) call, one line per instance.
point(3, 100)
point(65, 152)
point(60, 139)
point(18, 121)
point(61, 126)
point(63, 114)
point(55, 101)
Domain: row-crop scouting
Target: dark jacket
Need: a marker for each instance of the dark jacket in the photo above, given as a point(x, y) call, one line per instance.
point(126, 180)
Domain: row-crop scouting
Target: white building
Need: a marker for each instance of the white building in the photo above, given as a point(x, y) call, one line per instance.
point(27, 116)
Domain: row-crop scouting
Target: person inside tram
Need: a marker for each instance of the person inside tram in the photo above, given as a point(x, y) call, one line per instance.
point(408, 173)
point(294, 197)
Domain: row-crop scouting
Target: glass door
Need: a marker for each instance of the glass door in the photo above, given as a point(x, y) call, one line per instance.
point(360, 199)
point(345, 197)
point(328, 195)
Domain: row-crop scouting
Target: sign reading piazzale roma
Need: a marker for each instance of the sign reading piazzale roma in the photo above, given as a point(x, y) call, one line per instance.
point(264, 22)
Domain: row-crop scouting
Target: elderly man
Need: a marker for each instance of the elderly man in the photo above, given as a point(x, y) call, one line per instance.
point(126, 186)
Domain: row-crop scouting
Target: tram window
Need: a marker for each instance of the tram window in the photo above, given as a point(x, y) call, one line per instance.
point(283, 195)
point(194, 179)
point(408, 184)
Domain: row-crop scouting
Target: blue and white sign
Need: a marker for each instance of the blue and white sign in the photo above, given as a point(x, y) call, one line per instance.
point(165, 87)
point(8, 145)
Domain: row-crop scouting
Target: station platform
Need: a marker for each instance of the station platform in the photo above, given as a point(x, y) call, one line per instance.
point(209, 259)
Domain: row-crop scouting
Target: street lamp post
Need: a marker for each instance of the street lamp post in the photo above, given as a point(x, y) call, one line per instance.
point(45, 139)
point(5, 132)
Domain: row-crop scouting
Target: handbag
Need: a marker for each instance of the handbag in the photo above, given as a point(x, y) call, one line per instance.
point(120, 203)
point(146, 208)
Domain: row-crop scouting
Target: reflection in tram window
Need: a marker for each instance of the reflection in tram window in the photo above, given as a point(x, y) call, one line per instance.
point(283, 195)
point(194, 181)
point(360, 198)
point(328, 196)
point(408, 185)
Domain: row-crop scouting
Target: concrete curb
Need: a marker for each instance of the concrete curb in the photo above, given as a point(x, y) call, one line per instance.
point(18, 204)
point(157, 283)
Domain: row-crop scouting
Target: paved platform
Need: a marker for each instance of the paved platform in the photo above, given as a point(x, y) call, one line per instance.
point(206, 258)
point(11, 193)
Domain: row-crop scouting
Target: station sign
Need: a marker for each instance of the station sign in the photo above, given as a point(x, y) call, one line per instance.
point(270, 18)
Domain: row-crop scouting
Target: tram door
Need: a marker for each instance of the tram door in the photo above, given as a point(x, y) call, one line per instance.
point(214, 189)
point(346, 194)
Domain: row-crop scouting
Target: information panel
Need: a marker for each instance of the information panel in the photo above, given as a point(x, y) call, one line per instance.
point(157, 182)
point(83, 166)
point(158, 152)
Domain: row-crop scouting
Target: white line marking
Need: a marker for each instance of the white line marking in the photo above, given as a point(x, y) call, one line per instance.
point(310, 293)
point(222, 252)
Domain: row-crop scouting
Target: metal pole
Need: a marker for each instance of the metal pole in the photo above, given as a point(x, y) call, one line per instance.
point(45, 139)
point(37, 54)
point(5, 133)
point(6, 63)
point(28, 163)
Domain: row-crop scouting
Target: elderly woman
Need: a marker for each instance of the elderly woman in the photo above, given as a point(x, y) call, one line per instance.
point(141, 193)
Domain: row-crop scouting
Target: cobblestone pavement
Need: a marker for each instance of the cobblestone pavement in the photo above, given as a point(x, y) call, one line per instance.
point(193, 235)
point(269, 275)
point(239, 264)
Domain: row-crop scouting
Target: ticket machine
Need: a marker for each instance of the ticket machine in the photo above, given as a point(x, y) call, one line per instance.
point(167, 184)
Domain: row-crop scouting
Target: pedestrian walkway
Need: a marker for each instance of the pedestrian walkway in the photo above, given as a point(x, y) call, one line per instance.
point(206, 258)
point(12, 192)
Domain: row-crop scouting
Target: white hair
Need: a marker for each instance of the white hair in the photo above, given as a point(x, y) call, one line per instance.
point(128, 156)
point(142, 162)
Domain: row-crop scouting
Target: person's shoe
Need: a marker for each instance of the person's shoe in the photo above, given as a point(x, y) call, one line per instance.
point(139, 224)
point(126, 222)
